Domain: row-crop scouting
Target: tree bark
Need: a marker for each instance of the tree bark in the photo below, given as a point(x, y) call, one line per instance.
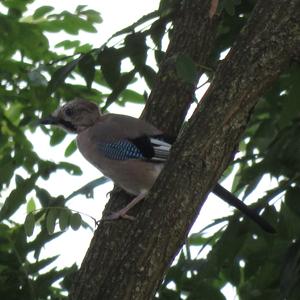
point(194, 34)
point(127, 260)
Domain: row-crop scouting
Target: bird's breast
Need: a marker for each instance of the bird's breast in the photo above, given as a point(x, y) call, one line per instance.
point(133, 175)
point(88, 149)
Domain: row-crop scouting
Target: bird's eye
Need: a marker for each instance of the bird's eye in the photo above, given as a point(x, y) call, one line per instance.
point(69, 112)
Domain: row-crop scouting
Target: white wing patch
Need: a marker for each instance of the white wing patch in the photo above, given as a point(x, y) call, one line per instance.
point(161, 149)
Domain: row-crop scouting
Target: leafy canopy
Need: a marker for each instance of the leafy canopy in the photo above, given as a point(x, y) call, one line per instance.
point(36, 77)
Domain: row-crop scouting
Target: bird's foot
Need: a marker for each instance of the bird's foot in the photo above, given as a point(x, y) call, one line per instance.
point(122, 213)
point(118, 215)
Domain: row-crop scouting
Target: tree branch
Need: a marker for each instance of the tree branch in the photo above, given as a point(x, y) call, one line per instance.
point(194, 34)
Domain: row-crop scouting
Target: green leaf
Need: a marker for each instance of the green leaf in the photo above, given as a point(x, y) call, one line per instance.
point(205, 291)
point(30, 37)
point(186, 68)
point(61, 74)
point(292, 200)
point(36, 78)
point(19, 180)
point(132, 96)
point(197, 239)
point(167, 294)
point(290, 279)
point(69, 277)
point(136, 48)
point(57, 136)
point(34, 268)
point(30, 206)
point(252, 185)
point(44, 197)
point(165, 6)
point(123, 82)
point(132, 27)
point(15, 5)
point(64, 218)
point(71, 148)
point(46, 168)
point(226, 173)
point(18, 196)
point(86, 67)
point(80, 8)
point(7, 170)
point(71, 168)
point(88, 188)
point(150, 76)
point(110, 61)
point(159, 56)
point(29, 224)
point(92, 16)
point(44, 282)
point(218, 221)
point(84, 48)
point(157, 31)
point(42, 11)
point(75, 221)
point(41, 240)
point(70, 23)
point(67, 44)
point(51, 217)
point(229, 7)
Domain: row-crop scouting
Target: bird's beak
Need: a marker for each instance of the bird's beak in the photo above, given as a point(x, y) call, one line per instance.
point(53, 120)
point(50, 120)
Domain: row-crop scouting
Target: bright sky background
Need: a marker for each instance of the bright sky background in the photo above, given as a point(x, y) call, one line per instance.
point(72, 245)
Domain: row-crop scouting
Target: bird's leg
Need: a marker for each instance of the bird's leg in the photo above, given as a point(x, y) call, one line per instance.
point(122, 213)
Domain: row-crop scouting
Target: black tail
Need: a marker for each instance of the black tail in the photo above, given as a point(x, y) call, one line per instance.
point(237, 203)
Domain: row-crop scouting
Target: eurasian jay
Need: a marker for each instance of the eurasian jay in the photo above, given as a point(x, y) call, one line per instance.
point(129, 151)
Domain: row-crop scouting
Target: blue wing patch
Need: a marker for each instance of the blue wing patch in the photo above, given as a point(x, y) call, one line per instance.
point(120, 150)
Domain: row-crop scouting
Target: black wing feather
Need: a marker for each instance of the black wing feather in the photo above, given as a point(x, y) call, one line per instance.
point(151, 148)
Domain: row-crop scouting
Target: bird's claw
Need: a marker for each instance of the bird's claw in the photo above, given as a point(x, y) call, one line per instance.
point(117, 215)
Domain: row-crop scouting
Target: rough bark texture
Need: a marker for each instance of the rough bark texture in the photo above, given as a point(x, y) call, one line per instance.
point(193, 35)
point(127, 260)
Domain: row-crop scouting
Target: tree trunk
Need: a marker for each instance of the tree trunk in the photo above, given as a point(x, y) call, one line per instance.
point(127, 260)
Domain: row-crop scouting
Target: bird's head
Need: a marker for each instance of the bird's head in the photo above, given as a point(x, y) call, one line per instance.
point(75, 116)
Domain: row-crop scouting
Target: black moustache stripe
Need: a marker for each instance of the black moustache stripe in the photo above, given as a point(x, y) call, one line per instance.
point(68, 125)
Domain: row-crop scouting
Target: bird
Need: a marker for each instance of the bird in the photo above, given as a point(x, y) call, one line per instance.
point(130, 151)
